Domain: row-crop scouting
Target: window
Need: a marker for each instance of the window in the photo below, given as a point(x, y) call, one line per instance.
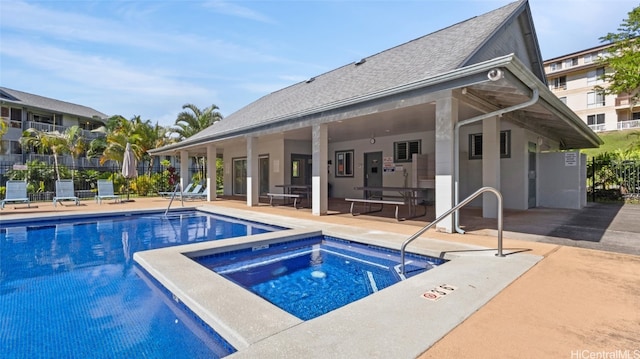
point(595, 119)
point(42, 118)
point(16, 114)
point(595, 76)
point(295, 168)
point(595, 99)
point(592, 57)
point(635, 116)
point(14, 148)
point(403, 151)
point(571, 62)
point(559, 83)
point(556, 66)
point(344, 163)
point(475, 145)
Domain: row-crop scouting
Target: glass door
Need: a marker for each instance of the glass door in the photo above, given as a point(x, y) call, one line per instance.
point(240, 176)
point(264, 175)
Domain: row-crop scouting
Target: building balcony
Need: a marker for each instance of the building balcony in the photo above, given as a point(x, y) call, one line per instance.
point(45, 127)
point(600, 127)
point(86, 134)
point(9, 160)
point(623, 101)
point(627, 125)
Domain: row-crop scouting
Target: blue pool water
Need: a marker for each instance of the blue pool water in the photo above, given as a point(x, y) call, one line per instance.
point(70, 289)
point(314, 276)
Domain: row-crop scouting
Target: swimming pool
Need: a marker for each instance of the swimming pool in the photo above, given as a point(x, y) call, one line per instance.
point(313, 276)
point(70, 289)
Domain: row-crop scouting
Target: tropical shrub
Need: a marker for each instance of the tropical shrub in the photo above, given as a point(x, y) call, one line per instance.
point(142, 185)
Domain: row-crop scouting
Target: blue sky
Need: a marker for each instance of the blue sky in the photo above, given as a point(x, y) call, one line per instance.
point(149, 58)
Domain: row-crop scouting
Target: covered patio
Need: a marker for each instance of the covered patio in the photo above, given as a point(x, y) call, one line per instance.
point(432, 113)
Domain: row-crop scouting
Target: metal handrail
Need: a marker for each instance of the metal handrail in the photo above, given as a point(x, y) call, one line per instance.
point(455, 208)
point(173, 195)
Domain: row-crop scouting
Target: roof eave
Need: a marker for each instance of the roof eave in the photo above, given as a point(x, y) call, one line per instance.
point(517, 68)
point(453, 77)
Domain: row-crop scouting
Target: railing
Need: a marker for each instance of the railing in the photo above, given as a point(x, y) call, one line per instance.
point(9, 160)
point(173, 195)
point(45, 126)
point(86, 134)
point(455, 208)
point(625, 125)
point(598, 128)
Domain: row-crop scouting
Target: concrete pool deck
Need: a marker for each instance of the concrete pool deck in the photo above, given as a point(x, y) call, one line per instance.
point(575, 302)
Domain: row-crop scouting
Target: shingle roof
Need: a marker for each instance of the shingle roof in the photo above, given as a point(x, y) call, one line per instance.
point(436, 53)
point(20, 98)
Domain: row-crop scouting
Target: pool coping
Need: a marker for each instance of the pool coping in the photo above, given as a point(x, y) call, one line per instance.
point(400, 321)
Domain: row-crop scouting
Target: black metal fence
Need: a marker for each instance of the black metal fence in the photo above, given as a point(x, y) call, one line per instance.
point(607, 180)
point(613, 180)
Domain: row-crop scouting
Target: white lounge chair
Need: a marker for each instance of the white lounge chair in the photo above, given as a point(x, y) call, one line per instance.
point(196, 192)
point(105, 191)
point(16, 193)
point(170, 193)
point(200, 194)
point(65, 192)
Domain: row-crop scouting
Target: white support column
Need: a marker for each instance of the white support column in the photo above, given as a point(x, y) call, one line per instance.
point(319, 189)
point(490, 165)
point(211, 173)
point(446, 119)
point(184, 170)
point(252, 172)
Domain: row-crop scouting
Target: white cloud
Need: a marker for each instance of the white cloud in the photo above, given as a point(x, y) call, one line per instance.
point(69, 28)
point(98, 70)
point(233, 9)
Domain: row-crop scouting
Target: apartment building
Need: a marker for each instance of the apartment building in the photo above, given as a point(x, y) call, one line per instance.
point(21, 111)
point(572, 78)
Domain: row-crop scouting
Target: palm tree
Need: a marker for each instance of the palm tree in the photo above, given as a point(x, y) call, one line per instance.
point(118, 131)
point(3, 129)
point(155, 137)
point(75, 143)
point(43, 141)
point(189, 123)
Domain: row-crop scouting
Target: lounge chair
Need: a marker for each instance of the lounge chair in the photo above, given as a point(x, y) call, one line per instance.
point(65, 192)
point(196, 192)
point(16, 193)
point(105, 191)
point(170, 193)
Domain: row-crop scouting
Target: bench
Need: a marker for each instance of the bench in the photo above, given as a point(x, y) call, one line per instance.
point(295, 197)
point(382, 202)
point(370, 201)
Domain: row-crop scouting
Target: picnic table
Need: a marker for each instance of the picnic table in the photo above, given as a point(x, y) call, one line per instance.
point(402, 196)
point(291, 191)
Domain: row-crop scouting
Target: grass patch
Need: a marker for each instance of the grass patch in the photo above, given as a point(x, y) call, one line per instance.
point(613, 141)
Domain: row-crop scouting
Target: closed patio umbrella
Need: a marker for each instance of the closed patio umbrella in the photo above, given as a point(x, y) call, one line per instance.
point(129, 166)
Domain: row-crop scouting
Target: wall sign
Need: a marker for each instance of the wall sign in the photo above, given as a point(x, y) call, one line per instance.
point(570, 159)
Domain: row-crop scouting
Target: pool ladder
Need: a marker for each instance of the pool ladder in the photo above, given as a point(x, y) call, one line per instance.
point(455, 208)
point(173, 195)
